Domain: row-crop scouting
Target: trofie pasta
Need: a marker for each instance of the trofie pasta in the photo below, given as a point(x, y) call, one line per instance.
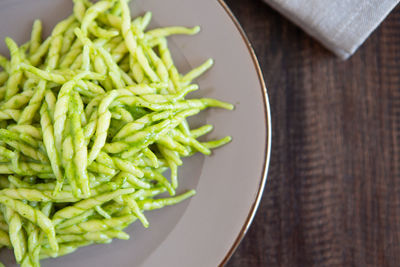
point(90, 120)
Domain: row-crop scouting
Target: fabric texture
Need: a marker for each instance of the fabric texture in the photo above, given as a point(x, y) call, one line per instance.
point(341, 25)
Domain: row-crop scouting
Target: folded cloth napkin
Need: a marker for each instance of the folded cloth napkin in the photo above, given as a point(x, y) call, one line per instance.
point(341, 25)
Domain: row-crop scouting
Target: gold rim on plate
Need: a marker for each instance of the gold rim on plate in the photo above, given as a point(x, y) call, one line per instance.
point(267, 151)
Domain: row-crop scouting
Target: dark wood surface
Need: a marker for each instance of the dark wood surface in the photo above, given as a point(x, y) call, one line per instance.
point(333, 192)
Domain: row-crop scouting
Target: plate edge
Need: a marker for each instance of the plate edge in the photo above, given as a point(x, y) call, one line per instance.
point(267, 151)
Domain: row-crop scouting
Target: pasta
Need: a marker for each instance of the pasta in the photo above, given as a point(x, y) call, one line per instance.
point(90, 120)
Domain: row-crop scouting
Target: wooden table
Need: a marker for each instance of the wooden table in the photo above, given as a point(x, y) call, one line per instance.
point(332, 196)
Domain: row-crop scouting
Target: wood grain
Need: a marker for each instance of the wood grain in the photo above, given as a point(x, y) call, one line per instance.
point(333, 192)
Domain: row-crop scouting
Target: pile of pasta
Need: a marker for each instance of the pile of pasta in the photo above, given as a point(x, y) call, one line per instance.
point(93, 120)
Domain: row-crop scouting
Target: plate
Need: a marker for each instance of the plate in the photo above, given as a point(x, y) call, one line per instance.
point(205, 230)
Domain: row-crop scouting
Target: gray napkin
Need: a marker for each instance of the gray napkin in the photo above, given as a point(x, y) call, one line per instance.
point(341, 25)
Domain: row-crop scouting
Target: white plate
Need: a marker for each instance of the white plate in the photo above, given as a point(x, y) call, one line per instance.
point(204, 230)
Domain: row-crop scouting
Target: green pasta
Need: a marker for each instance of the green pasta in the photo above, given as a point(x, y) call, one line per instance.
point(91, 119)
